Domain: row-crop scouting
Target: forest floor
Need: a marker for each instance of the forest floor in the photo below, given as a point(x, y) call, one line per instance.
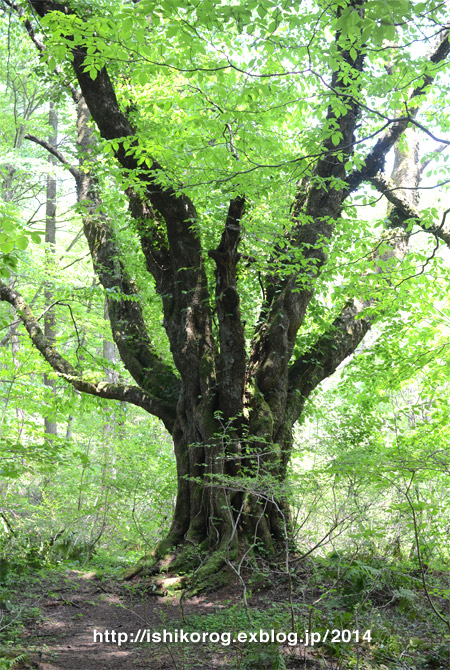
point(63, 616)
point(66, 609)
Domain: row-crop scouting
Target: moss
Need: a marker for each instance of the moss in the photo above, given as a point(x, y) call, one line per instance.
point(261, 417)
point(163, 549)
point(206, 366)
point(144, 565)
point(212, 582)
point(186, 561)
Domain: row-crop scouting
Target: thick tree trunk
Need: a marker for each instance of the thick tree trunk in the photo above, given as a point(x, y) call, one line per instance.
point(231, 499)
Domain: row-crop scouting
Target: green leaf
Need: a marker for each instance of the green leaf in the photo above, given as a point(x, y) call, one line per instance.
point(262, 11)
point(7, 247)
point(22, 243)
point(336, 138)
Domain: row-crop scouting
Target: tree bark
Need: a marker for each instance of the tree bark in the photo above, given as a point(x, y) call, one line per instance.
point(50, 426)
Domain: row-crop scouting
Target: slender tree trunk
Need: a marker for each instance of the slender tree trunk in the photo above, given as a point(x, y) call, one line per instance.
point(110, 423)
point(15, 348)
point(50, 426)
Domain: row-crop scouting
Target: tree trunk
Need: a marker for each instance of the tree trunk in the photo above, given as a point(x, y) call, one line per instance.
point(231, 499)
point(50, 426)
point(110, 421)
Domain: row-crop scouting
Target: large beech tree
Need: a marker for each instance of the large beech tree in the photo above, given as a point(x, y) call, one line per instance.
point(242, 135)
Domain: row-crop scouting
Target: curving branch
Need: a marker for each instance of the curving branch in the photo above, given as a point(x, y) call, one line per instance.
point(317, 209)
point(330, 350)
point(124, 308)
point(313, 214)
point(186, 304)
point(187, 314)
point(57, 154)
point(125, 313)
point(351, 325)
point(101, 389)
point(41, 47)
point(343, 336)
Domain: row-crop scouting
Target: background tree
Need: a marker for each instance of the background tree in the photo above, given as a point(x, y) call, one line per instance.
point(51, 427)
point(243, 137)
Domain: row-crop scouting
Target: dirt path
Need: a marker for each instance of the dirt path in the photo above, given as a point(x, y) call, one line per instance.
point(76, 609)
point(73, 610)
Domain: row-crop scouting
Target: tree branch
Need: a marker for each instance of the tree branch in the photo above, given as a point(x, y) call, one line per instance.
point(349, 328)
point(125, 312)
point(317, 210)
point(40, 46)
point(439, 150)
point(374, 161)
point(232, 357)
point(54, 152)
point(405, 210)
point(339, 341)
point(333, 347)
point(314, 214)
point(187, 316)
point(65, 369)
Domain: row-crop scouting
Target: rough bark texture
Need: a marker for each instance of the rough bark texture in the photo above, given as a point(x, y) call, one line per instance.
point(230, 411)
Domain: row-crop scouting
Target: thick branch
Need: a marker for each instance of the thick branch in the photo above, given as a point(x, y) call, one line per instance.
point(333, 347)
point(321, 361)
point(125, 312)
point(317, 210)
point(349, 328)
point(176, 209)
point(127, 323)
point(231, 373)
point(343, 336)
point(314, 214)
point(187, 315)
point(112, 123)
point(64, 369)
